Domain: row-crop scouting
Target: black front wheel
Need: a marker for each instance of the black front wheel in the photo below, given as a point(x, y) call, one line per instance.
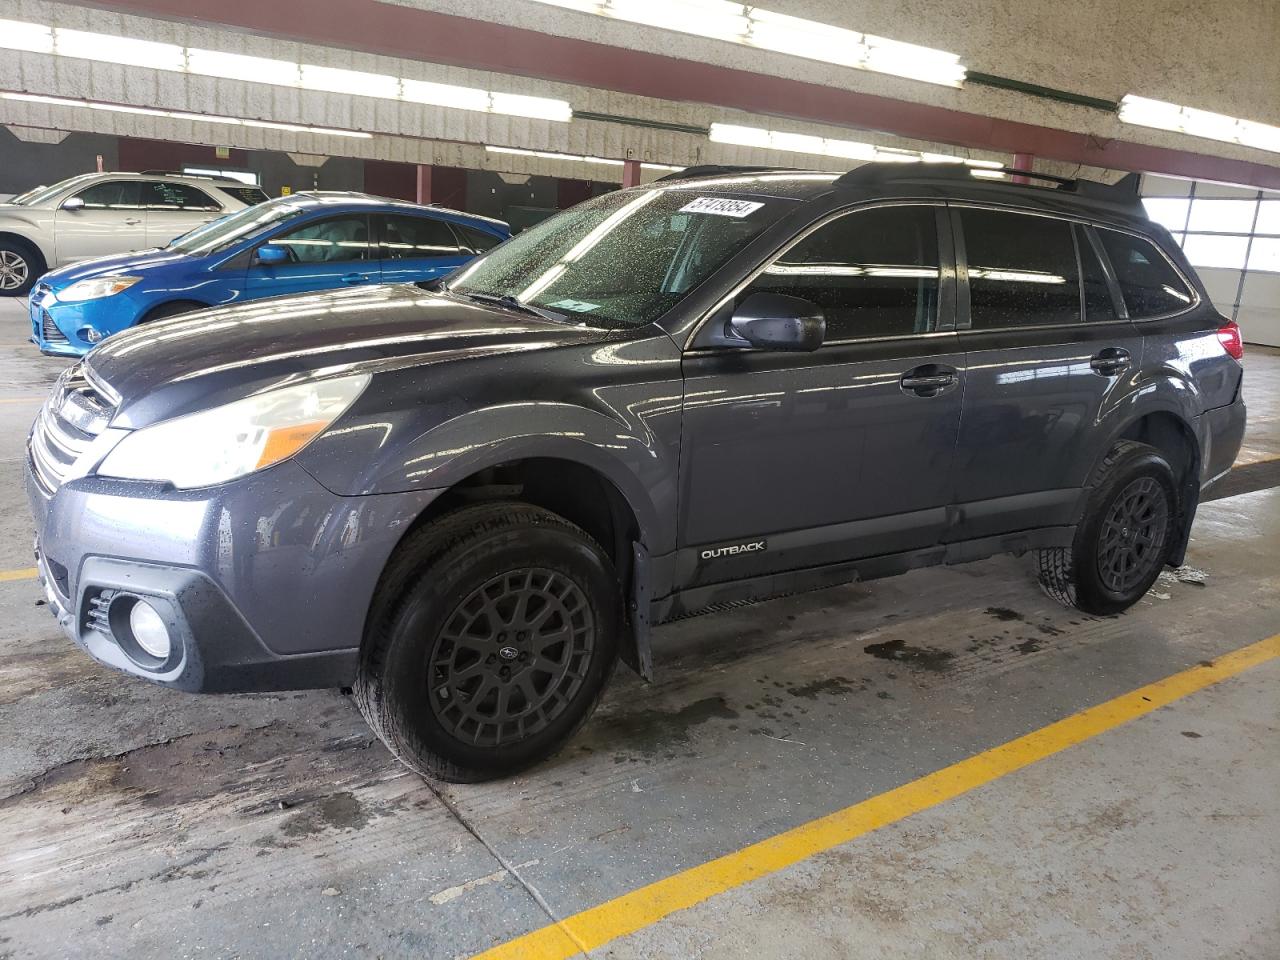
point(1124, 537)
point(492, 636)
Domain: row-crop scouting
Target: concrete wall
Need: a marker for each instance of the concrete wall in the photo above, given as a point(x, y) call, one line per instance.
point(24, 165)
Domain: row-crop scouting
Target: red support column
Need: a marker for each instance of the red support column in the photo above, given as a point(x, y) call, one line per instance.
point(1023, 161)
point(631, 173)
point(424, 183)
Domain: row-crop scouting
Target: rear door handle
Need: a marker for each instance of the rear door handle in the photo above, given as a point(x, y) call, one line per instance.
point(928, 380)
point(132, 221)
point(1111, 361)
point(356, 278)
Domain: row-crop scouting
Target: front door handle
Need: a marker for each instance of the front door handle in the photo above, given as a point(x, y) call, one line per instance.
point(1110, 362)
point(928, 380)
point(356, 278)
point(132, 221)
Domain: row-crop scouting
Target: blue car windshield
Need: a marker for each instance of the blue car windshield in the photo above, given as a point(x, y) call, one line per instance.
point(221, 233)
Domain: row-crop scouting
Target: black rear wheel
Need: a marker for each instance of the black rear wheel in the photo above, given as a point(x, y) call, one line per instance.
point(490, 641)
point(1124, 537)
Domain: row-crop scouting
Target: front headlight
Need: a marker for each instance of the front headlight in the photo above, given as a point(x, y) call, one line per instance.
point(226, 442)
point(95, 289)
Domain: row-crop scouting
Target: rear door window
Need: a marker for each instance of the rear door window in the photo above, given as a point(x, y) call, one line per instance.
point(1151, 287)
point(177, 196)
point(873, 272)
point(1022, 269)
point(477, 240)
point(416, 238)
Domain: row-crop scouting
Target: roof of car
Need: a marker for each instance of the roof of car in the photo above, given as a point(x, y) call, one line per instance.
point(354, 199)
point(948, 180)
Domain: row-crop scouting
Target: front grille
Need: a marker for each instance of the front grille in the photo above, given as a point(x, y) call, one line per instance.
point(50, 329)
point(69, 421)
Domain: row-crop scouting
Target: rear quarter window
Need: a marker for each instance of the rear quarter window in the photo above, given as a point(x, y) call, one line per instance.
point(1151, 287)
point(246, 195)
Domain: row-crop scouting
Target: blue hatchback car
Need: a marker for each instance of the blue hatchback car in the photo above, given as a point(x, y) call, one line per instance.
point(293, 244)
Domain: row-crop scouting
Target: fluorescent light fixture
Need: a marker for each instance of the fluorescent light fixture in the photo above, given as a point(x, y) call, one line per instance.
point(1199, 123)
point(16, 35)
point(238, 66)
point(539, 108)
point(179, 115)
point(551, 155)
point(357, 82)
point(445, 95)
point(108, 48)
point(749, 25)
point(845, 149)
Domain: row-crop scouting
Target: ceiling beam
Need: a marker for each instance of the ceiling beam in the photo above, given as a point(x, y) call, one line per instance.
point(399, 31)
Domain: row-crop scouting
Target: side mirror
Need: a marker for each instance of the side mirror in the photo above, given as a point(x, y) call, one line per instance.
point(73, 203)
point(775, 321)
point(270, 255)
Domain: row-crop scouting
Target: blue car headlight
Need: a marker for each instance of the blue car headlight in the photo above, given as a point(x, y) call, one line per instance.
point(95, 289)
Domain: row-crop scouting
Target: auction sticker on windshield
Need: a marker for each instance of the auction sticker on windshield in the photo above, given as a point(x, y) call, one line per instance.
point(721, 206)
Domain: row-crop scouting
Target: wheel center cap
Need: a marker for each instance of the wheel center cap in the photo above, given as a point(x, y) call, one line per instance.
point(508, 653)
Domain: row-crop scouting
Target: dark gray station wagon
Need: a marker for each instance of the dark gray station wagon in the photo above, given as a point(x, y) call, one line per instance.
point(468, 501)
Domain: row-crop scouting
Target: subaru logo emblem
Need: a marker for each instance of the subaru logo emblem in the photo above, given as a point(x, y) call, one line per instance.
point(508, 653)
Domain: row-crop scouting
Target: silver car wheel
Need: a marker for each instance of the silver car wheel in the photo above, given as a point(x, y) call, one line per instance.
point(13, 270)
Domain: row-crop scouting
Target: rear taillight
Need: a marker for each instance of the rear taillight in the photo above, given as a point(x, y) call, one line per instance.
point(1229, 337)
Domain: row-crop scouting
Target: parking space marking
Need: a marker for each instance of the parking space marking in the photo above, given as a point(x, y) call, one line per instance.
point(594, 927)
point(23, 399)
point(26, 573)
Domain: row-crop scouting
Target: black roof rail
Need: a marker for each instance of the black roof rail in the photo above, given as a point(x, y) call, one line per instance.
point(716, 170)
point(1124, 192)
point(194, 176)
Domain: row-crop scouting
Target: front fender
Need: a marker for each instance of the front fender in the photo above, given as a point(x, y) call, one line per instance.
point(32, 234)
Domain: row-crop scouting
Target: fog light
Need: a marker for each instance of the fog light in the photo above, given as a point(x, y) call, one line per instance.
point(89, 334)
point(149, 630)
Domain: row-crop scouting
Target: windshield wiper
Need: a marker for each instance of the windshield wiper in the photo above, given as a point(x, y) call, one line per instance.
point(511, 303)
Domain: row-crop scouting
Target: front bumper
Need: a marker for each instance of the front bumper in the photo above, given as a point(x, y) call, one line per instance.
point(264, 583)
point(57, 328)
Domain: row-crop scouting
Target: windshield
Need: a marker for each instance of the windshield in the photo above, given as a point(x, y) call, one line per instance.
point(214, 236)
point(39, 195)
point(622, 259)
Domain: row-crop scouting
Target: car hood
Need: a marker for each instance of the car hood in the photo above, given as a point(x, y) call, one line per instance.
point(112, 266)
point(172, 367)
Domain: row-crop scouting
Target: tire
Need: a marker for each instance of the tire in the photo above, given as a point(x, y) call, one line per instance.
point(1124, 538)
point(20, 267)
point(446, 622)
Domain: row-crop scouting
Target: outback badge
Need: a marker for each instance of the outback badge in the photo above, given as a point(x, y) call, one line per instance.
point(751, 546)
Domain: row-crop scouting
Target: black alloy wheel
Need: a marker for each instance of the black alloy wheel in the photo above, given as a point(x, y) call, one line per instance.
point(511, 657)
point(1133, 534)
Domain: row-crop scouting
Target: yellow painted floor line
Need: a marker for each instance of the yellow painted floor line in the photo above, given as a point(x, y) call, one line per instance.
point(27, 573)
point(643, 907)
point(39, 399)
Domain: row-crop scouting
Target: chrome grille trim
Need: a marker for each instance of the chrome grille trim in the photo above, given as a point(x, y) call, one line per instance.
point(70, 420)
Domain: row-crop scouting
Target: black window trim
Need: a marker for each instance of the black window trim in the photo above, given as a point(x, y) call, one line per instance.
point(947, 288)
point(963, 320)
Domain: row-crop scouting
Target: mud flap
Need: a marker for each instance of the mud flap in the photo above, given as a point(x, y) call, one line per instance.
point(637, 654)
